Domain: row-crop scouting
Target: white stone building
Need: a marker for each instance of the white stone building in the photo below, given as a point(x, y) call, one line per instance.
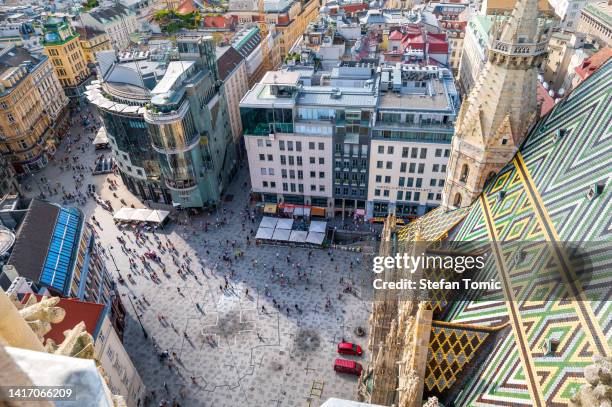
point(117, 21)
point(411, 138)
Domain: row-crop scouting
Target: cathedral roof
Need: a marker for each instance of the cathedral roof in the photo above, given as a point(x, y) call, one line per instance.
point(556, 189)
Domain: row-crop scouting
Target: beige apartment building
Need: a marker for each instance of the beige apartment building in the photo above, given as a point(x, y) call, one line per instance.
point(233, 72)
point(596, 22)
point(32, 113)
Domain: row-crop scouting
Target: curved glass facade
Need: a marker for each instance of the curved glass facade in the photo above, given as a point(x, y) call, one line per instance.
point(178, 169)
point(174, 135)
point(130, 134)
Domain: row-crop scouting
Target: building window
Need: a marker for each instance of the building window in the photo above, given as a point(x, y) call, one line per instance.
point(314, 188)
point(273, 184)
point(298, 146)
point(410, 182)
point(377, 192)
point(446, 153)
point(321, 174)
point(281, 145)
point(417, 196)
point(386, 192)
point(283, 160)
point(378, 178)
point(321, 160)
point(443, 168)
point(300, 174)
point(270, 171)
point(412, 168)
point(457, 201)
point(387, 179)
point(291, 160)
point(292, 174)
point(283, 173)
point(423, 153)
point(403, 167)
point(299, 160)
point(311, 145)
point(421, 168)
point(430, 196)
point(259, 143)
point(270, 157)
point(268, 143)
point(381, 149)
point(408, 196)
point(404, 152)
point(301, 188)
point(389, 149)
point(321, 188)
point(438, 152)
point(432, 182)
point(464, 173)
point(438, 197)
point(262, 157)
point(321, 146)
point(292, 186)
point(414, 153)
point(312, 160)
point(379, 164)
point(264, 171)
point(419, 182)
point(402, 181)
point(389, 165)
point(435, 168)
point(400, 195)
point(265, 184)
point(289, 145)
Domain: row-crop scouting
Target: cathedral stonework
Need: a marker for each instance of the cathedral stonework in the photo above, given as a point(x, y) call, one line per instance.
point(494, 119)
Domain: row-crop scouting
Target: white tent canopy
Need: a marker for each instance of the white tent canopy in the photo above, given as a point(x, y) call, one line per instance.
point(317, 226)
point(268, 222)
point(315, 238)
point(264, 233)
point(101, 137)
point(284, 224)
point(141, 215)
point(298, 236)
point(281, 234)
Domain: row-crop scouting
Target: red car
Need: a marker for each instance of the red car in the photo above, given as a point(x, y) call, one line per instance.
point(347, 348)
point(347, 366)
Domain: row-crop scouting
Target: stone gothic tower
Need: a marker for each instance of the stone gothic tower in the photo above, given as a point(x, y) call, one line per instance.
point(494, 119)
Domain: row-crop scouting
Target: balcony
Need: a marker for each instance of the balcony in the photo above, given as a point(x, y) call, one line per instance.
point(528, 49)
point(156, 116)
point(182, 185)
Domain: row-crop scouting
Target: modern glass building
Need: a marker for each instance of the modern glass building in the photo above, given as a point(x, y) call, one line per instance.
point(120, 94)
point(188, 124)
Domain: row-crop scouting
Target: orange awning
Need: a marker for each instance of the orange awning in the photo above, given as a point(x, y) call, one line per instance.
point(270, 208)
point(317, 211)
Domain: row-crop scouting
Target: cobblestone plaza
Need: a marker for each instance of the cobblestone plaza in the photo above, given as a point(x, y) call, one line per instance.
point(238, 348)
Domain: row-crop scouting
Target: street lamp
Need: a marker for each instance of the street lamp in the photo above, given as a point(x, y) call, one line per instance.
point(144, 332)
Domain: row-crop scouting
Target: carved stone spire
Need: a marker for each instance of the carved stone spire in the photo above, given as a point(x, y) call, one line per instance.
point(495, 117)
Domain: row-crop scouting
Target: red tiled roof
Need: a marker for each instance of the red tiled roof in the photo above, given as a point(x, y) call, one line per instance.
point(76, 311)
point(353, 8)
point(437, 44)
point(186, 7)
point(395, 35)
point(593, 63)
point(543, 97)
point(215, 22)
